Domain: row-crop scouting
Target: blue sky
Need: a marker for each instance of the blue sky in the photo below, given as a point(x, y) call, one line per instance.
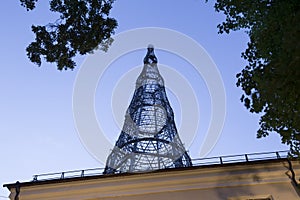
point(38, 133)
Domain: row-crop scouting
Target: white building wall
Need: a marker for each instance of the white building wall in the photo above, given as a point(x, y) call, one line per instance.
point(260, 180)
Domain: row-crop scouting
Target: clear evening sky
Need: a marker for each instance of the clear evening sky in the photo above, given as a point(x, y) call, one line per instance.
point(38, 133)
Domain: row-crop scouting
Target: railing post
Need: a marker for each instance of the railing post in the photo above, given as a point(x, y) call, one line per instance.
point(221, 161)
point(62, 175)
point(35, 177)
point(246, 156)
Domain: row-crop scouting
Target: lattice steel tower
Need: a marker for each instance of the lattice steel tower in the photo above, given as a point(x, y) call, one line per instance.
point(149, 138)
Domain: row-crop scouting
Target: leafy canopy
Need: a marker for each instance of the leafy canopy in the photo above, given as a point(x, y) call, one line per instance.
point(271, 80)
point(83, 26)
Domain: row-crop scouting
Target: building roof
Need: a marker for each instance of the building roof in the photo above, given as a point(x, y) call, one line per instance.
point(90, 174)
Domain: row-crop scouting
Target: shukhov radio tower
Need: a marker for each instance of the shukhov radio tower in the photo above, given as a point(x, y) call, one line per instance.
point(149, 138)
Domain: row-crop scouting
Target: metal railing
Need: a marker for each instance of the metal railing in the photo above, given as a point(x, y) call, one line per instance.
point(69, 174)
point(220, 160)
point(240, 158)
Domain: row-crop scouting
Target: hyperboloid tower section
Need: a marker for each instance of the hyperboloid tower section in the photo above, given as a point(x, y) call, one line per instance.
point(149, 138)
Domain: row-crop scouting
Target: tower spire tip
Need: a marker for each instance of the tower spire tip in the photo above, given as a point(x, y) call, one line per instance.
point(150, 46)
point(150, 56)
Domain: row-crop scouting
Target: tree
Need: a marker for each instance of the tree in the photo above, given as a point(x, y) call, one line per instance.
point(271, 80)
point(83, 26)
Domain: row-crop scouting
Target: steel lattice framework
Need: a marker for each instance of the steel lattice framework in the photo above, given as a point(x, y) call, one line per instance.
point(149, 138)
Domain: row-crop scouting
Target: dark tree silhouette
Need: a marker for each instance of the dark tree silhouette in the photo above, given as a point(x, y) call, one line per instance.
point(271, 80)
point(83, 26)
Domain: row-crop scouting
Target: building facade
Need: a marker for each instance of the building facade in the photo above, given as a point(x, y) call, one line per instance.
point(274, 179)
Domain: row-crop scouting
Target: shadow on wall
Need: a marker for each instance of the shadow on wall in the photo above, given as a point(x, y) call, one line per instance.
point(261, 182)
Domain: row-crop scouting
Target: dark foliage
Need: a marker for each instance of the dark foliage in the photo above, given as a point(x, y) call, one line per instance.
point(271, 80)
point(83, 26)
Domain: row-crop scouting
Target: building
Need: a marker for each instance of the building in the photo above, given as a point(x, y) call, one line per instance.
point(228, 179)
